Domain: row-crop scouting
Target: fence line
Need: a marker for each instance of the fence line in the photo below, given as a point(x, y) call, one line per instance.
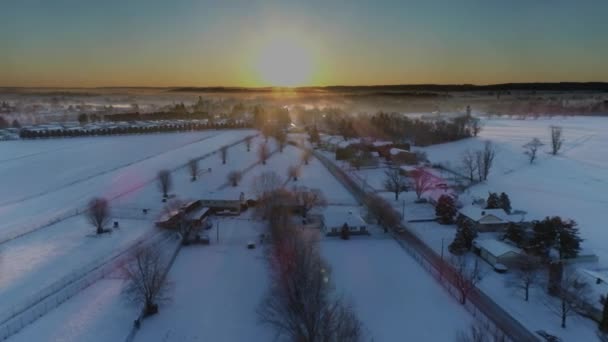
point(64, 289)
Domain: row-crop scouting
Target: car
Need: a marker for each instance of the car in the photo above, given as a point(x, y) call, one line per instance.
point(548, 337)
point(500, 268)
point(250, 245)
point(442, 186)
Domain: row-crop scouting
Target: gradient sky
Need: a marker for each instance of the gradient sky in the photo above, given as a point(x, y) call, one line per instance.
point(210, 43)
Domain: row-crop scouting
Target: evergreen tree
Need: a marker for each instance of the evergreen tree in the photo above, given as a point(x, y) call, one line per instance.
point(553, 232)
point(465, 228)
point(493, 201)
point(445, 209)
point(604, 322)
point(458, 246)
point(515, 233)
point(505, 202)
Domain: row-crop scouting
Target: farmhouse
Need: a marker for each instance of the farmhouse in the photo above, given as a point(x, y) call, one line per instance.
point(400, 156)
point(486, 220)
point(191, 213)
point(334, 219)
point(497, 252)
point(228, 201)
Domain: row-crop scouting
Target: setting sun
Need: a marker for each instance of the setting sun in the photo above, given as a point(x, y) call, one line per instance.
point(284, 61)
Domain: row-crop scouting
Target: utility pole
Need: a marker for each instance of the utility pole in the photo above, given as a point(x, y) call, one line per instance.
point(217, 231)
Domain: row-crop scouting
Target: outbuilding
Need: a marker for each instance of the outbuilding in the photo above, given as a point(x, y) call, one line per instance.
point(497, 252)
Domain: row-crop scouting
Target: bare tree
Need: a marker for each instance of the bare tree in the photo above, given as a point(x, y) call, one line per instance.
point(281, 139)
point(248, 143)
point(489, 152)
point(266, 183)
point(309, 199)
point(571, 294)
point(193, 168)
point(466, 277)
point(526, 275)
point(98, 213)
point(224, 154)
point(531, 148)
point(394, 182)
point(299, 304)
point(556, 139)
point(379, 209)
point(469, 164)
point(146, 276)
point(234, 177)
point(164, 182)
point(306, 156)
point(263, 153)
point(293, 171)
point(477, 332)
point(422, 181)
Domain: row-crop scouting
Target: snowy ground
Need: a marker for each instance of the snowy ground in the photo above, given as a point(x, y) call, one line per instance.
point(47, 256)
point(97, 314)
point(393, 295)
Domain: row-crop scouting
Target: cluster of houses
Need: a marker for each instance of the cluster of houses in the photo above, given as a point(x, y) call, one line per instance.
point(394, 153)
point(232, 202)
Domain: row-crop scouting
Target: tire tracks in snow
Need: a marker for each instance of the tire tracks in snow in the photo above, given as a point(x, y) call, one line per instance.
point(101, 173)
point(82, 209)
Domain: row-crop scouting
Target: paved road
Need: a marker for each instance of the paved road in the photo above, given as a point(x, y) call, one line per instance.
point(501, 319)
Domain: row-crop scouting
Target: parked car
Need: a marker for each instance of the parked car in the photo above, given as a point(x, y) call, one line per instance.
point(548, 337)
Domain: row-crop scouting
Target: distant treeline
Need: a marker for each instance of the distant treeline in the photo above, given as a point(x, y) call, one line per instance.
point(120, 130)
point(395, 89)
point(136, 116)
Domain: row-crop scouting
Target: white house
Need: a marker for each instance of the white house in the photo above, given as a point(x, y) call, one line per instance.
point(335, 218)
point(488, 220)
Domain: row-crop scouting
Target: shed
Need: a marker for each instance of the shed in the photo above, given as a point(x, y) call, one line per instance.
point(497, 252)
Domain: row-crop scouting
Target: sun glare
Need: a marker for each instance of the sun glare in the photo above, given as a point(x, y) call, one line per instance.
point(284, 61)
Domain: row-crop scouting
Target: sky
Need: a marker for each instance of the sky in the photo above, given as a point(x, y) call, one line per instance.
point(86, 43)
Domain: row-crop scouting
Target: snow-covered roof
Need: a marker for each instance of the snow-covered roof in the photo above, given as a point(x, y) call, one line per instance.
point(394, 151)
point(227, 194)
point(337, 216)
point(597, 283)
point(382, 143)
point(478, 214)
point(496, 248)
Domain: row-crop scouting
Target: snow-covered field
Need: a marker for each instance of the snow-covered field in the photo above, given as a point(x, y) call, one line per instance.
point(47, 179)
point(46, 257)
point(572, 184)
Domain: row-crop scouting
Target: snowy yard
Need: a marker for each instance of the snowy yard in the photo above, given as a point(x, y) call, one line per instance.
point(394, 296)
point(216, 290)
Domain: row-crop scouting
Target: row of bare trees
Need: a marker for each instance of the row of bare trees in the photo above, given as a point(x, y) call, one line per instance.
point(300, 303)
